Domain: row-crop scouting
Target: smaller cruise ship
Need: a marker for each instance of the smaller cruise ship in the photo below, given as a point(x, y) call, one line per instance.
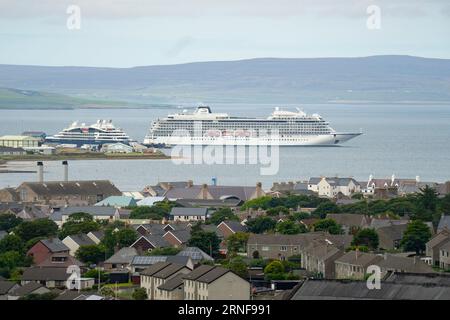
point(99, 133)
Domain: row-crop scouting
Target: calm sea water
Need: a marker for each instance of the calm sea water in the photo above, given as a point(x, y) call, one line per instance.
point(407, 141)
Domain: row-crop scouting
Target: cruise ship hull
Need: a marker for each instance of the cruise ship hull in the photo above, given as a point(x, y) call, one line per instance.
point(332, 139)
point(81, 142)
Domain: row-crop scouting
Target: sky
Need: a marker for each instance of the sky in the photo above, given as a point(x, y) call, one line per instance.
point(127, 33)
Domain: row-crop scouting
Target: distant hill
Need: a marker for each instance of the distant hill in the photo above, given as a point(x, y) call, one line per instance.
point(392, 79)
point(32, 99)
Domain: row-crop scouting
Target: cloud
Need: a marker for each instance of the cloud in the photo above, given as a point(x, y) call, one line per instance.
point(125, 9)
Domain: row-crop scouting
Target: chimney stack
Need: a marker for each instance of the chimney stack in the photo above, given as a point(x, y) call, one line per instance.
point(204, 191)
point(66, 170)
point(190, 183)
point(40, 167)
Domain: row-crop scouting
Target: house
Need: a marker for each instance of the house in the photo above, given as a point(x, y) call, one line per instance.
point(350, 222)
point(44, 249)
point(380, 222)
point(394, 263)
point(177, 238)
point(188, 214)
point(155, 228)
point(215, 192)
point(10, 151)
point(147, 243)
point(332, 186)
point(391, 236)
point(444, 256)
point(229, 227)
point(277, 246)
point(121, 259)
point(172, 289)
point(8, 195)
point(157, 274)
point(196, 254)
point(298, 187)
point(162, 187)
point(215, 283)
point(353, 264)
point(117, 202)
point(61, 193)
point(60, 260)
point(140, 263)
point(48, 277)
point(433, 246)
point(96, 236)
point(319, 257)
point(75, 241)
point(26, 289)
point(6, 288)
point(444, 223)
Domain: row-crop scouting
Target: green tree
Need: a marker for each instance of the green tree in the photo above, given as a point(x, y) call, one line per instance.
point(126, 237)
point(90, 254)
point(206, 241)
point(146, 212)
point(428, 198)
point(95, 273)
point(366, 237)
point(416, 235)
point(12, 243)
point(261, 224)
point(325, 208)
point(9, 221)
point(328, 225)
point(238, 266)
point(290, 227)
point(139, 294)
point(223, 214)
point(261, 202)
point(237, 242)
point(278, 210)
point(79, 222)
point(275, 266)
point(117, 239)
point(28, 230)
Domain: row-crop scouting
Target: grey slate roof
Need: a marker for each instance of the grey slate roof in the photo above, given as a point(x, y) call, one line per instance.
point(444, 222)
point(150, 260)
point(54, 245)
point(153, 269)
point(359, 258)
point(195, 253)
point(44, 274)
point(173, 283)
point(436, 279)
point(123, 256)
point(357, 290)
point(347, 219)
point(213, 274)
point(61, 188)
point(92, 210)
point(169, 270)
point(198, 272)
point(6, 286)
point(334, 181)
point(404, 264)
point(236, 226)
point(179, 211)
point(182, 235)
point(98, 234)
point(82, 239)
point(27, 289)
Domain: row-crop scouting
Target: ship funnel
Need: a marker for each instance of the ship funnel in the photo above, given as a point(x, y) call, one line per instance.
point(65, 171)
point(40, 171)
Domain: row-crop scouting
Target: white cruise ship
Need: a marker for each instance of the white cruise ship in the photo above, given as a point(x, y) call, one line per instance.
point(284, 128)
point(99, 133)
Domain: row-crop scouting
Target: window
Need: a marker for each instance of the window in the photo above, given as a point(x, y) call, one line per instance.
point(283, 248)
point(265, 248)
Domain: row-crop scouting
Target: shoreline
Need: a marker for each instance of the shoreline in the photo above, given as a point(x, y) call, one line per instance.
point(59, 157)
